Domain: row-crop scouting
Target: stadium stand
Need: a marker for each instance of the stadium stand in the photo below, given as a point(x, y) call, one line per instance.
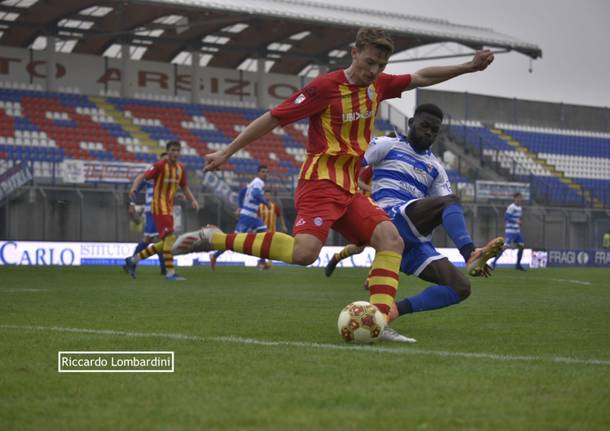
point(565, 167)
point(46, 128)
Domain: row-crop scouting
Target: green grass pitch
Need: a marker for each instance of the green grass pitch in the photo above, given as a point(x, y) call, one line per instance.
point(260, 351)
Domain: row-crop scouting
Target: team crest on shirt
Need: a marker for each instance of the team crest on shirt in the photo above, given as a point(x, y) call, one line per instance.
point(300, 98)
point(318, 221)
point(371, 92)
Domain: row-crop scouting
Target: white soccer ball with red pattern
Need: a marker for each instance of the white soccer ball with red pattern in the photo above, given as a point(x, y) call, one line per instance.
point(360, 322)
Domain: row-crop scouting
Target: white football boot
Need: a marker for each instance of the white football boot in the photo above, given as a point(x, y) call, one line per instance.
point(390, 334)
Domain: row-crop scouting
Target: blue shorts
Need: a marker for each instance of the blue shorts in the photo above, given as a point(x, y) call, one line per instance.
point(512, 239)
point(149, 225)
point(250, 224)
point(419, 251)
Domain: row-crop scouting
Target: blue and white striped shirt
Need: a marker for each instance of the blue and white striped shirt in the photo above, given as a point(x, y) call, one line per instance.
point(253, 198)
point(512, 217)
point(401, 174)
point(148, 196)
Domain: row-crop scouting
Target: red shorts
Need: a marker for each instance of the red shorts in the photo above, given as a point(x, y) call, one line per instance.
point(164, 224)
point(322, 205)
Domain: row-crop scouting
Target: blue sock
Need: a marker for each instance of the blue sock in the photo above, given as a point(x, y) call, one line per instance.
point(455, 226)
point(162, 263)
point(218, 253)
point(519, 256)
point(432, 298)
point(141, 246)
point(497, 257)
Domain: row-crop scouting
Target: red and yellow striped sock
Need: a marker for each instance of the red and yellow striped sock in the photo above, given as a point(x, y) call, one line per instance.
point(168, 257)
point(268, 245)
point(383, 280)
point(148, 251)
point(348, 250)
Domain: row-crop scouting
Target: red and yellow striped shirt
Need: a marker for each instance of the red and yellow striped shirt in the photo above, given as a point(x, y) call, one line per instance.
point(269, 215)
point(167, 178)
point(341, 119)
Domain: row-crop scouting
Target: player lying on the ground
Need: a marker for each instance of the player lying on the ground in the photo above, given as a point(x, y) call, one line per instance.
point(412, 187)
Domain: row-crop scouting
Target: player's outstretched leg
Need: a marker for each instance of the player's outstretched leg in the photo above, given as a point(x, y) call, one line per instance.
point(477, 263)
point(267, 245)
point(348, 250)
point(452, 287)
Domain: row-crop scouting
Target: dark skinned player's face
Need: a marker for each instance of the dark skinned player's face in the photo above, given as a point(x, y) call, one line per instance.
point(423, 130)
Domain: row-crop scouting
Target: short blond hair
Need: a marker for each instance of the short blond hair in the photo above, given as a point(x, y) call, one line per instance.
point(376, 37)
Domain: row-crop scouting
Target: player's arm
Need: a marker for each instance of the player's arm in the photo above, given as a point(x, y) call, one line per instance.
point(441, 185)
point(282, 222)
point(279, 215)
point(308, 101)
point(136, 186)
point(377, 151)
point(189, 195)
point(259, 198)
point(364, 179)
point(255, 130)
point(436, 74)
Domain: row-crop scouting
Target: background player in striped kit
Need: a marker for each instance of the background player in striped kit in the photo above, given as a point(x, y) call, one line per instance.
point(150, 230)
point(512, 229)
point(249, 220)
point(411, 185)
point(341, 107)
point(272, 215)
point(167, 174)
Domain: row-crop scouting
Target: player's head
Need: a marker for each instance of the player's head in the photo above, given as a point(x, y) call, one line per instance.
point(173, 150)
point(262, 172)
point(424, 126)
point(370, 55)
point(268, 194)
point(518, 198)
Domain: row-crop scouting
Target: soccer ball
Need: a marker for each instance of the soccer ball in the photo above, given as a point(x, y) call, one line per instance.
point(360, 322)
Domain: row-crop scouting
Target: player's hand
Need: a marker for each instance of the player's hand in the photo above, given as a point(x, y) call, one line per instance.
point(482, 58)
point(132, 195)
point(195, 204)
point(214, 161)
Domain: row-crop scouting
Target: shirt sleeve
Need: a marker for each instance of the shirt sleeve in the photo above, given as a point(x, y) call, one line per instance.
point(392, 86)
point(376, 152)
point(308, 101)
point(154, 171)
point(441, 185)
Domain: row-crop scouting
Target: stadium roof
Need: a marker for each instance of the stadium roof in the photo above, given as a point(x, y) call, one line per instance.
point(290, 35)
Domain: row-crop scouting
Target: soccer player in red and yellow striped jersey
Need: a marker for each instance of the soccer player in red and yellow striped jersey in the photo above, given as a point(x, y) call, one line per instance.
point(341, 107)
point(271, 214)
point(168, 174)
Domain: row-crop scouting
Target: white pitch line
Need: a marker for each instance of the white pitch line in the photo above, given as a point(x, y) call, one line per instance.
point(21, 290)
point(560, 280)
point(346, 347)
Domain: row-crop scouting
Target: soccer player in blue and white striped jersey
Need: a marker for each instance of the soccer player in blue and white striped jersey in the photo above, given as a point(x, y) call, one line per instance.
point(411, 185)
point(512, 230)
point(249, 221)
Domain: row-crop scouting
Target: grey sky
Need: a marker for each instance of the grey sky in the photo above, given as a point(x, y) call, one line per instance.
point(574, 38)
